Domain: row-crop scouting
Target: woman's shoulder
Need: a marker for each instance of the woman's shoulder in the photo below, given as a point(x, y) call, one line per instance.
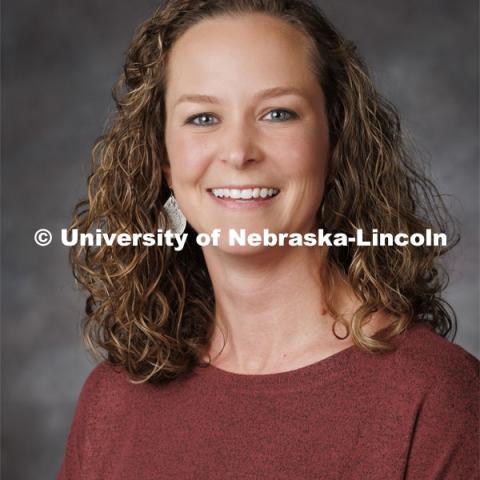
point(425, 357)
point(424, 344)
point(106, 384)
point(106, 399)
point(103, 377)
point(436, 385)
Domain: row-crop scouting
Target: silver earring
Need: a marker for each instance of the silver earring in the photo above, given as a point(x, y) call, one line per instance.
point(175, 215)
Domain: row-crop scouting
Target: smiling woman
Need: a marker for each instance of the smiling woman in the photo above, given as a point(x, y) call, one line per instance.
point(259, 361)
point(265, 129)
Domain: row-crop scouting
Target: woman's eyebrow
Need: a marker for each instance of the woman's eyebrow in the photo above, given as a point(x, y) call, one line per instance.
point(267, 93)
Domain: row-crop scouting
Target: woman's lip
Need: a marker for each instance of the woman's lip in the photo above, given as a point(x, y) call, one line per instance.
point(241, 203)
point(241, 187)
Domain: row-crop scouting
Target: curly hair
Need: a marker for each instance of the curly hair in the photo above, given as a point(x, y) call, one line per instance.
point(152, 309)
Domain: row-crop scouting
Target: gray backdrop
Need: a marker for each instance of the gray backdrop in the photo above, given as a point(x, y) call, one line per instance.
point(60, 60)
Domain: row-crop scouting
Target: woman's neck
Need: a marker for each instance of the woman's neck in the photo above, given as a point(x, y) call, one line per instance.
point(270, 308)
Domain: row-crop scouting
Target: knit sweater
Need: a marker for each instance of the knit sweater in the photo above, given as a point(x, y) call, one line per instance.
point(409, 414)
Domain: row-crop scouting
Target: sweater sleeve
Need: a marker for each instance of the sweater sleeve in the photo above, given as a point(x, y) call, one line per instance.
point(445, 444)
point(71, 467)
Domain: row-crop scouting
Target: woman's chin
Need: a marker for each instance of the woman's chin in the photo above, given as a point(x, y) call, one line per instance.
point(247, 251)
point(243, 250)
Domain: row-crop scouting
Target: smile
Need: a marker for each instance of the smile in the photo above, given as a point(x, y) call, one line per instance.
point(236, 198)
point(244, 193)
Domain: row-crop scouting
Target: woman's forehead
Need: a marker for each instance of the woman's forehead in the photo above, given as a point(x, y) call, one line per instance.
point(232, 50)
point(243, 26)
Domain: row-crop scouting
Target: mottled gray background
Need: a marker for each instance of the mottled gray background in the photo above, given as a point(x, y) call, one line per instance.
point(60, 60)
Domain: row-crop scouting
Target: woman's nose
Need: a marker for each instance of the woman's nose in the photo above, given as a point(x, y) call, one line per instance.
point(240, 145)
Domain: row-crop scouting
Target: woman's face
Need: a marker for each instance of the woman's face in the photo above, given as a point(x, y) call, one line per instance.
point(244, 110)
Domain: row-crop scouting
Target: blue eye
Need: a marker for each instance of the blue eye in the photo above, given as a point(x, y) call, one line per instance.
point(282, 114)
point(206, 119)
point(203, 119)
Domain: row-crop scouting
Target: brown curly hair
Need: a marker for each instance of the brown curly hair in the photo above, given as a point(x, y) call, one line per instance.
point(152, 309)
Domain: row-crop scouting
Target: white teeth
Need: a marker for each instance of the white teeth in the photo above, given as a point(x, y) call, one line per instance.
point(246, 193)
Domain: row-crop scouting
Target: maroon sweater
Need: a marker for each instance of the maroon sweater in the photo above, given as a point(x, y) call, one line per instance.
point(411, 414)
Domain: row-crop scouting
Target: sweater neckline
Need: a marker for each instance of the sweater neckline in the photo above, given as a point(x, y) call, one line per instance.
point(319, 371)
point(330, 364)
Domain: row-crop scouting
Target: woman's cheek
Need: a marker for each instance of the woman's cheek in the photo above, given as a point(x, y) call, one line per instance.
point(185, 154)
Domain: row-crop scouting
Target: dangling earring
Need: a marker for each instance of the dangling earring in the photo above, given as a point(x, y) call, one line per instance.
point(175, 215)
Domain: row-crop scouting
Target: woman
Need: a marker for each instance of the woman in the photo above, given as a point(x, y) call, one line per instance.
point(287, 362)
